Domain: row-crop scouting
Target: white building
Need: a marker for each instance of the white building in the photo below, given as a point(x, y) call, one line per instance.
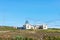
point(29, 26)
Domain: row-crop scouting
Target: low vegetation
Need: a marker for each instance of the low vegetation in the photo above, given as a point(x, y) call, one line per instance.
point(3, 28)
point(10, 33)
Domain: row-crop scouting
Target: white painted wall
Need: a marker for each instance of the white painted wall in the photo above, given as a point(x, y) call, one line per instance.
point(45, 27)
point(28, 26)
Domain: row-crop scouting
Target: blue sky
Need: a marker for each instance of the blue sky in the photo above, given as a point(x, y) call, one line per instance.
point(16, 12)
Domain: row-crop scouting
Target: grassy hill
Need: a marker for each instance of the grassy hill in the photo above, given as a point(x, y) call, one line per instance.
point(17, 34)
point(3, 28)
